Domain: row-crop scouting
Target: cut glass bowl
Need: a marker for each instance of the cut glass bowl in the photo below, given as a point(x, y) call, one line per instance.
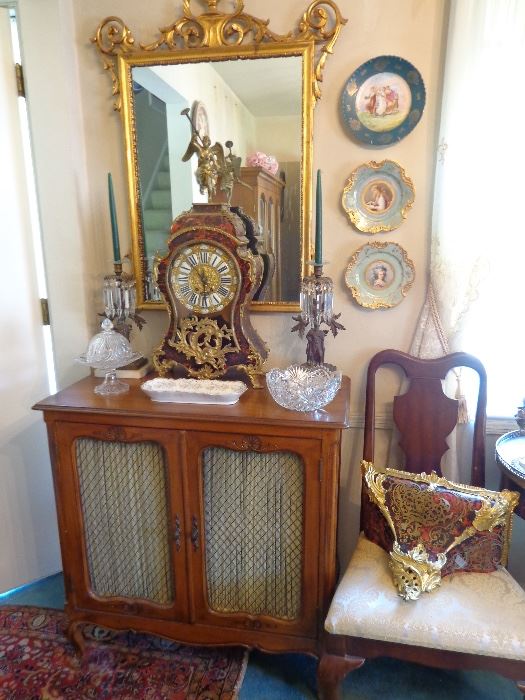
point(305, 387)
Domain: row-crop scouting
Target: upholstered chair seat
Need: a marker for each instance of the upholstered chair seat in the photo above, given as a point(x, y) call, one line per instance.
point(481, 614)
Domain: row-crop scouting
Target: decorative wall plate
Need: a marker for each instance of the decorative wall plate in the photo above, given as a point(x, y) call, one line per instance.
point(379, 275)
point(383, 100)
point(377, 196)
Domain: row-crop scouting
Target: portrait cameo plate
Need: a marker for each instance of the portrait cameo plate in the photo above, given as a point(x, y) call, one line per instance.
point(379, 275)
point(377, 196)
point(383, 100)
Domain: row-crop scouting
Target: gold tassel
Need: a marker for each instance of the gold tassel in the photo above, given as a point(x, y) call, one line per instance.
point(462, 402)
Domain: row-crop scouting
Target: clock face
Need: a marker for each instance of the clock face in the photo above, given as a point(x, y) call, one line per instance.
point(204, 277)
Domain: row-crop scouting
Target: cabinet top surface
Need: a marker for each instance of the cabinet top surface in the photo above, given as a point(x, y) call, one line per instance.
point(254, 406)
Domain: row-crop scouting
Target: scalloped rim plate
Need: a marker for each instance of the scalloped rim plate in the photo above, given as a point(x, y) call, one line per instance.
point(383, 100)
point(378, 196)
point(379, 275)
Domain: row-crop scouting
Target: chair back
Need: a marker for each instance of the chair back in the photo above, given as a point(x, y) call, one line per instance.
point(424, 415)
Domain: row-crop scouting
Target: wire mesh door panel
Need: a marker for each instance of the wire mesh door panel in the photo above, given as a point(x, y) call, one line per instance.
point(259, 521)
point(126, 523)
point(123, 496)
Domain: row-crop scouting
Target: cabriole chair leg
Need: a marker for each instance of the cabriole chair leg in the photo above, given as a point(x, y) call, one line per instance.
point(331, 671)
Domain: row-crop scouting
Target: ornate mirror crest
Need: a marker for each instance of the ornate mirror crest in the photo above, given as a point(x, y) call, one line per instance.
point(321, 23)
point(213, 37)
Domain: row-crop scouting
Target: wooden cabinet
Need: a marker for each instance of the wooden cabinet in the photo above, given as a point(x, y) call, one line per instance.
point(203, 524)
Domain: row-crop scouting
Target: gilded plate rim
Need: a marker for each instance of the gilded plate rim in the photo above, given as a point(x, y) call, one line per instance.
point(392, 294)
point(362, 218)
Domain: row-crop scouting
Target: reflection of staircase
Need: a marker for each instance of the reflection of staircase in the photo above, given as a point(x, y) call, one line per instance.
point(157, 210)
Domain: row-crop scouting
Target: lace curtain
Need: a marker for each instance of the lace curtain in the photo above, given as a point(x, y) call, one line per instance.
point(479, 169)
point(477, 198)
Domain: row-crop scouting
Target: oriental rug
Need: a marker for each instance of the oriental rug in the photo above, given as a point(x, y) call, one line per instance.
point(37, 662)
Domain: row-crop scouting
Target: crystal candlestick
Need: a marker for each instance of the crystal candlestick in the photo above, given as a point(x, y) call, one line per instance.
point(317, 300)
point(119, 295)
point(151, 289)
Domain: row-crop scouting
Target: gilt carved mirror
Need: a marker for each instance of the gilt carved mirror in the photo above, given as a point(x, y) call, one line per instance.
point(231, 76)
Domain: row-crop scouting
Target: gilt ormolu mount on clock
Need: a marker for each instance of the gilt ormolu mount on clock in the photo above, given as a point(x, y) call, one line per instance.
point(208, 278)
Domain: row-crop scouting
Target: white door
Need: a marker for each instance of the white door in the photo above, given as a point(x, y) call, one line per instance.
point(28, 534)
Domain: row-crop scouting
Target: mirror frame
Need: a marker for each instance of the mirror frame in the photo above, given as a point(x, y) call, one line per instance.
point(213, 36)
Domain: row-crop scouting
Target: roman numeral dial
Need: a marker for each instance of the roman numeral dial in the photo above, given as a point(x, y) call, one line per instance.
point(204, 278)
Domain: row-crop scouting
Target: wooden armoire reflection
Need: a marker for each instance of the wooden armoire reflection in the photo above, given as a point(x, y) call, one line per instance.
point(260, 195)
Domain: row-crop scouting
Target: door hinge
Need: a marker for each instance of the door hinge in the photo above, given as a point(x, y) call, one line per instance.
point(44, 307)
point(20, 84)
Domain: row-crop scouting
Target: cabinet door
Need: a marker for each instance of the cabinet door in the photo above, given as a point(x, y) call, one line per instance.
point(121, 517)
point(254, 531)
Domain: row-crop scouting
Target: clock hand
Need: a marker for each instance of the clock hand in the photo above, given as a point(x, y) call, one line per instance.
point(204, 280)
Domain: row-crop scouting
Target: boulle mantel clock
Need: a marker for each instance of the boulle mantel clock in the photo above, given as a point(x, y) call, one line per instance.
point(208, 278)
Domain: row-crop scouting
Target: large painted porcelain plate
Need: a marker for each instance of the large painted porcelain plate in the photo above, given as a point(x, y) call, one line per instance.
point(377, 196)
point(383, 100)
point(379, 275)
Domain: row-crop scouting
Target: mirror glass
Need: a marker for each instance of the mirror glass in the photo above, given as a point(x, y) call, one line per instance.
point(257, 103)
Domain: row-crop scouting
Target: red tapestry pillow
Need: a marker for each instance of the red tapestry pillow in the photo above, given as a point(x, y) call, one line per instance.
point(464, 528)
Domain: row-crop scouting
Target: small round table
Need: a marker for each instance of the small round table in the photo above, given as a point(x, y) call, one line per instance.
point(510, 458)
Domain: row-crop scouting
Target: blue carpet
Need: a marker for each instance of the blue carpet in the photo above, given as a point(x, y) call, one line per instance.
point(292, 676)
point(46, 593)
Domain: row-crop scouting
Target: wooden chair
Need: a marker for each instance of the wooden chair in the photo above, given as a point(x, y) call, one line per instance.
point(474, 620)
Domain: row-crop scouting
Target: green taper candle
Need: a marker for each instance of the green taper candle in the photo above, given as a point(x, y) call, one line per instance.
point(318, 223)
point(114, 227)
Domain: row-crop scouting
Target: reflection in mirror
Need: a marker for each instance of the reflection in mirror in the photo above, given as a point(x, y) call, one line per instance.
point(257, 104)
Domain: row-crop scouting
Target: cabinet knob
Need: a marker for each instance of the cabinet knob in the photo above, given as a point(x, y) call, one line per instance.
point(194, 534)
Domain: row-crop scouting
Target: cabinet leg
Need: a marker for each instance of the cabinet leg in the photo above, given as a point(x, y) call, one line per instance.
point(75, 636)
